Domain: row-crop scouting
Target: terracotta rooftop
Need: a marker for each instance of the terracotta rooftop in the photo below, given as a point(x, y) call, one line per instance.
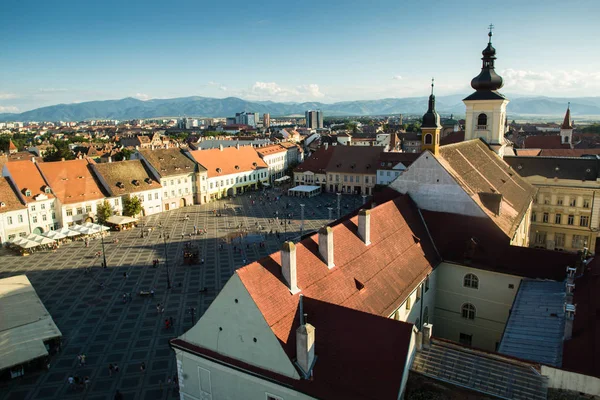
point(580, 168)
point(317, 162)
point(268, 150)
point(545, 142)
point(355, 159)
point(483, 175)
point(528, 152)
point(453, 137)
point(124, 177)
point(230, 160)
point(71, 181)
point(26, 176)
point(168, 162)
point(567, 124)
point(569, 152)
point(399, 257)
point(9, 197)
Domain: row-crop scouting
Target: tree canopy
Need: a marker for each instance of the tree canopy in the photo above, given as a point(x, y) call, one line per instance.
point(61, 150)
point(104, 211)
point(132, 206)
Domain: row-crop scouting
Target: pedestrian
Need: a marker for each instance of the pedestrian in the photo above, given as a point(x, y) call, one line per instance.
point(143, 367)
point(158, 308)
point(86, 382)
point(82, 359)
point(118, 395)
point(125, 275)
point(171, 321)
point(71, 380)
point(167, 324)
point(116, 368)
point(110, 369)
point(129, 296)
point(124, 297)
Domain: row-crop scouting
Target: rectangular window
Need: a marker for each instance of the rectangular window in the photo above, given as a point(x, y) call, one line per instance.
point(79, 210)
point(187, 190)
point(572, 202)
point(545, 218)
point(586, 203)
point(426, 284)
point(23, 234)
point(557, 219)
point(211, 185)
point(180, 191)
point(141, 197)
point(351, 178)
point(366, 179)
point(533, 216)
point(34, 219)
point(465, 339)
point(559, 240)
point(11, 237)
point(156, 196)
point(173, 193)
point(559, 202)
point(20, 218)
point(358, 179)
point(540, 238)
point(88, 209)
point(407, 303)
point(579, 241)
point(149, 196)
point(32, 208)
point(43, 206)
point(166, 194)
point(53, 215)
point(9, 220)
point(570, 220)
point(418, 293)
point(69, 212)
point(44, 217)
point(584, 220)
point(116, 202)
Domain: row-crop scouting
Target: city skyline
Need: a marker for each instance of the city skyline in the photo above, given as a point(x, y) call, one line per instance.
point(71, 53)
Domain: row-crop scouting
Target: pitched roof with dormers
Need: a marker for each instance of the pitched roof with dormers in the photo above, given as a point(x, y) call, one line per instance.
point(168, 162)
point(27, 177)
point(318, 161)
point(71, 181)
point(9, 199)
point(270, 150)
point(483, 175)
point(230, 160)
point(124, 177)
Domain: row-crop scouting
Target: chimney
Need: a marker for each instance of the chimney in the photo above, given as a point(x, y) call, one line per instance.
point(305, 345)
point(569, 317)
point(426, 329)
point(364, 225)
point(326, 245)
point(237, 145)
point(33, 160)
point(288, 266)
point(221, 147)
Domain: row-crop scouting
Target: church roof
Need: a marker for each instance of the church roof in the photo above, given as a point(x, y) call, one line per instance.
point(567, 124)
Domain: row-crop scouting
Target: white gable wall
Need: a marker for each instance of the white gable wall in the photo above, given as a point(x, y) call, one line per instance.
point(434, 189)
point(241, 322)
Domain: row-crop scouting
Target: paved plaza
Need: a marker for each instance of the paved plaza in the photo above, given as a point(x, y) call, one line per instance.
point(87, 303)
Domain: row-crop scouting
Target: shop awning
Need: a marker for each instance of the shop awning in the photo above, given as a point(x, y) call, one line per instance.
point(120, 220)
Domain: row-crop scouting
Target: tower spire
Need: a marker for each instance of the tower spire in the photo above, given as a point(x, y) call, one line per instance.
point(432, 82)
point(491, 28)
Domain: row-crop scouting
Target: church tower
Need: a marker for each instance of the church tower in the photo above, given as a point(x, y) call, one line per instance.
point(430, 127)
point(486, 107)
point(566, 129)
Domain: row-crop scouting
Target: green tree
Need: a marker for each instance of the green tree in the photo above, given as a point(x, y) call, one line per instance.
point(104, 211)
point(132, 206)
point(124, 154)
point(61, 150)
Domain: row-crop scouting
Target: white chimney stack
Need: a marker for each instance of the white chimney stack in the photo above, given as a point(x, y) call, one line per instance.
point(288, 266)
point(305, 345)
point(364, 226)
point(221, 147)
point(326, 245)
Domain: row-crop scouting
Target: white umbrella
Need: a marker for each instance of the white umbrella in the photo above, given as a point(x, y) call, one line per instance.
point(39, 239)
point(29, 244)
point(56, 235)
point(69, 232)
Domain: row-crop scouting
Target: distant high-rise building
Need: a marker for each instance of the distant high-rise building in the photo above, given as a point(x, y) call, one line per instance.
point(266, 121)
point(246, 118)
point(314, 119)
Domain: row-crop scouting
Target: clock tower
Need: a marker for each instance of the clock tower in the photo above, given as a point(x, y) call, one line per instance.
point(486, 107)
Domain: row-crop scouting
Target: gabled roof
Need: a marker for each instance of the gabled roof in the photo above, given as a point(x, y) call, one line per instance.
point(230, 160)
point(397, 157)
point(580, 168)
point(567, 124)
point(569, 152)
point(126, 177)
point(479, 243)
point(268, 150)
point(9, 197)
point(168, 162)
point(71, 181)
point(317, 162)
point(355, 159)
point(26, 176)
point(545, 142)
point(483, 174)
point(399, 257)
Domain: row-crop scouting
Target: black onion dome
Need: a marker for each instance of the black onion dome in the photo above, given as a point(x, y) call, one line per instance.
point(488, 79)
point(431, 119)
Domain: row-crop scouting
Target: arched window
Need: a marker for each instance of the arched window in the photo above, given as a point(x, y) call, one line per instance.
point(428, 138)
point(482, 121)
point(471, 281)
point(426, 315)
point(468, 311)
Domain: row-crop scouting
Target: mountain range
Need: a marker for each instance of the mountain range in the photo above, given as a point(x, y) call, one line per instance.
point(131, 108)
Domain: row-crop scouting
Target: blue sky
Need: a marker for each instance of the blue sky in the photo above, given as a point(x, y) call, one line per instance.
point(72, 51)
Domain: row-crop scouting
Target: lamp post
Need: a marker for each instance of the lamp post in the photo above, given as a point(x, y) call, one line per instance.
point(330, 210)
point(339, 202)
point(165, 237)
point(103, 252)
point(302, 220)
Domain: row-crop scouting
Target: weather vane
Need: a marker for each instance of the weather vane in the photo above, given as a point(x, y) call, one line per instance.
point(432, 81)
point(491, 28)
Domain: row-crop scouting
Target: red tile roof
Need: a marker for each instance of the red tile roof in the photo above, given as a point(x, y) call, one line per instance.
point(230, 160)
point(582, 352)
point(268, 150)
point(567, 124)
point(545, 142)
point(568, 152)
point(490, 249)
point(26, 176)
point(528, 152)
point(453, 137)
point(9, 197)
point(317, 162)
point(358, 354)
point(355, 159)
point(71, 181)
point(399, 258)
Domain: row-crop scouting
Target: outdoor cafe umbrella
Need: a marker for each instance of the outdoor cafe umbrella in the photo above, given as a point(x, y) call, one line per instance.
point(56, 235)
point(39, 239)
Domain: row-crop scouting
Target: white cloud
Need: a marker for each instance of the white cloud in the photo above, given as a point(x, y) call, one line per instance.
point(142, 96)
point(550, 82)
point(273, 91)
point(53, 90)
point(7, 96)
point(8, 109)
point(223, 88)
point(212, 83)
point(397, 77)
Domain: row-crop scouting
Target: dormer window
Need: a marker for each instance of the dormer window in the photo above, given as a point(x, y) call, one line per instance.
point(2, 204)
point(135, 182)
point(27, 192)
point(219, 170)
point(148, 181)
point(254, 164)
point(120, 185)
point(237, 167)
point(161, 159)
point(47, 189)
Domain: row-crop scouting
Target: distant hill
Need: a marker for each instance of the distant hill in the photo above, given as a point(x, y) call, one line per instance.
point(130, 108)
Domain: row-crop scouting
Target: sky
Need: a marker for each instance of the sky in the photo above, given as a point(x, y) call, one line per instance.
point(63, 51)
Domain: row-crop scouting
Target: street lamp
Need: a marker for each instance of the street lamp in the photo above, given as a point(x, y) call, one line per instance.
point(165, 237)
point(339, 201)
point(330, 210)
point(103, 252)
point(302, 220)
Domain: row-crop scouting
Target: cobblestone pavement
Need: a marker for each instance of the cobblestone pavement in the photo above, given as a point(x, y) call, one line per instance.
point(95, 320)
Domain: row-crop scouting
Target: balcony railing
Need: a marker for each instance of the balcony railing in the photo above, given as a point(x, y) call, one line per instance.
point(482, 127)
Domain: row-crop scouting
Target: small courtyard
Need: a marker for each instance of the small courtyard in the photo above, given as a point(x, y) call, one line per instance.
point(88, 305)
